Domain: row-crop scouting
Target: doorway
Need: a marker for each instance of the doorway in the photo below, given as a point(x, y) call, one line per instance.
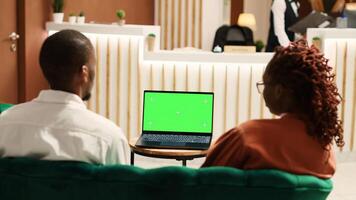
point(8, 52)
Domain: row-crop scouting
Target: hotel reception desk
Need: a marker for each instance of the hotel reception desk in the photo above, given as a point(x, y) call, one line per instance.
point(125, 69)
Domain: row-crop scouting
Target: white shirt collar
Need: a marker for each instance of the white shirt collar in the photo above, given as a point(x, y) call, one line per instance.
point(60, 97)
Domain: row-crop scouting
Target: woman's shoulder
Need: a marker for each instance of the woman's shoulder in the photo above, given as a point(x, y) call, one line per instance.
point(269, 127)
point(257, 124)
point(245, 129)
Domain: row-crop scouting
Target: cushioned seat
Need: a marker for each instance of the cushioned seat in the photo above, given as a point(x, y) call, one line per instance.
point(4, 107)
point(22, 178)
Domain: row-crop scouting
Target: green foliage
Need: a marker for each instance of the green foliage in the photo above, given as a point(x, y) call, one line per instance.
point(57, 6)
point(121, 14)
point(81, 14)
point(259, 45)
point(71, 14)
point(151, 35)
point(316, 38)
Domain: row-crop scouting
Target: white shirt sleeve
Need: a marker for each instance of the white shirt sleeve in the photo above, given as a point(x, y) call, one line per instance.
point(279, 8)
point(119, 151)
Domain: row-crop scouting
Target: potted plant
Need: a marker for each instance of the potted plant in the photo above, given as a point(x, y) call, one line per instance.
point(81, 18)
point(57, 6)
point(316, 41)
point(72, 18)
point(121, 16)
point(259, 45)
point(151, 41)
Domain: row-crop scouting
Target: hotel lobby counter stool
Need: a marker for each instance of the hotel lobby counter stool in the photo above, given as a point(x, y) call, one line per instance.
point(177, 154)
point(23, 178)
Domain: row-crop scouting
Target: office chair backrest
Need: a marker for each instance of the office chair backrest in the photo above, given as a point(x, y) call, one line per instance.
point(233, 35)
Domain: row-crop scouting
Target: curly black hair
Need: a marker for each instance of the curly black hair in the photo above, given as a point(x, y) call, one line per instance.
point(306, 72)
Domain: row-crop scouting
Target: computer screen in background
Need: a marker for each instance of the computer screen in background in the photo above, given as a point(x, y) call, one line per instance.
point(178, 112)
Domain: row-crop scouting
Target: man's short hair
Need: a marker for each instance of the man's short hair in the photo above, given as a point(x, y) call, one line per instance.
point(62, 56)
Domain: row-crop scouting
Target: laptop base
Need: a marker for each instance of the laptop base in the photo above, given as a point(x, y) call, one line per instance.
point(172, 145)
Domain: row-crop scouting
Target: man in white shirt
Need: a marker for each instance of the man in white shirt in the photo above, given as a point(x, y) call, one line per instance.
point(284, 13)
point(57, 125)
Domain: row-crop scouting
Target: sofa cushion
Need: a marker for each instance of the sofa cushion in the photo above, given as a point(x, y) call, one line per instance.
point(4, 107)
point(23, 178)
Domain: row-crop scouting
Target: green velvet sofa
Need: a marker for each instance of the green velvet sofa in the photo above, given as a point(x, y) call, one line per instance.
point(23, 178)
point(4, 106)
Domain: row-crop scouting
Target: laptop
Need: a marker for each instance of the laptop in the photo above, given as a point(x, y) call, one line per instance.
point(177, 120)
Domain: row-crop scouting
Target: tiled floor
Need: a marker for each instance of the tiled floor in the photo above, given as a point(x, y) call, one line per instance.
point(344, 182)
point(344, 179)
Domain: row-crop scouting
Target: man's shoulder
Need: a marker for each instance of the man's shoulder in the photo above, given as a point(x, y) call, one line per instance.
point(17, 109)
point(278, 4)
point(101, 124)
point(63, 117)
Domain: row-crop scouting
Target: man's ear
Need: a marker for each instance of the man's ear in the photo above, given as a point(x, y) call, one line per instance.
point(85, 73)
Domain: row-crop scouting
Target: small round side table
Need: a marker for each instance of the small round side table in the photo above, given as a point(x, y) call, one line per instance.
point(177, 154)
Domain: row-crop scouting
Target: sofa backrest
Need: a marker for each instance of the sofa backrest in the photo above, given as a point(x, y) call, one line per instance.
point(22, 178)
point(4, 106)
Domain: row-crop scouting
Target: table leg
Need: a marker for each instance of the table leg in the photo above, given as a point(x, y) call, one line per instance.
point(132, 158)
point(184, 163)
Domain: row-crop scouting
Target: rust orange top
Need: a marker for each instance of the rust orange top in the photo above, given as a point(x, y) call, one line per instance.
point(272, 144)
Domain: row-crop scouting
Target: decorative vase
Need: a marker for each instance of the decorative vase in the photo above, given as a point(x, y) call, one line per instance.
point(258, 48)
point(81, 19)
point(317, 43)
point(72, 19)
point(58, 17)
point(122, 22)
point(151, 43)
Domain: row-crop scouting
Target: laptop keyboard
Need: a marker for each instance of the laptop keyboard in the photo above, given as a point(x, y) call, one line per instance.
point(167, 138)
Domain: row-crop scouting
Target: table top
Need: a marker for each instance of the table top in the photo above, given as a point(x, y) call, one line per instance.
point(166, 153)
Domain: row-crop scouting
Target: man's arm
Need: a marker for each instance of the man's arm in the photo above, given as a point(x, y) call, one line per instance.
point(119, 150)
point(338, 6)
point(278, 9)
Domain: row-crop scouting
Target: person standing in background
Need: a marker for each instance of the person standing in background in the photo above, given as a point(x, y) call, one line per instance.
point(284, 13)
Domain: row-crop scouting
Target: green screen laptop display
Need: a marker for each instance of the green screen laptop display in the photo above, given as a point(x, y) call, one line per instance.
point(178, 112)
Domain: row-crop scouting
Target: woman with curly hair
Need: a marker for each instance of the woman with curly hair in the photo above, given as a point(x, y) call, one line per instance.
point(298, 85)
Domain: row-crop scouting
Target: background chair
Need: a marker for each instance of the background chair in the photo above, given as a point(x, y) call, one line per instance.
point(233, 35)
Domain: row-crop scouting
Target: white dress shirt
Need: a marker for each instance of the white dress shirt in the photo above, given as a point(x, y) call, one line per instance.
point(58, 126)
point(279, 7)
